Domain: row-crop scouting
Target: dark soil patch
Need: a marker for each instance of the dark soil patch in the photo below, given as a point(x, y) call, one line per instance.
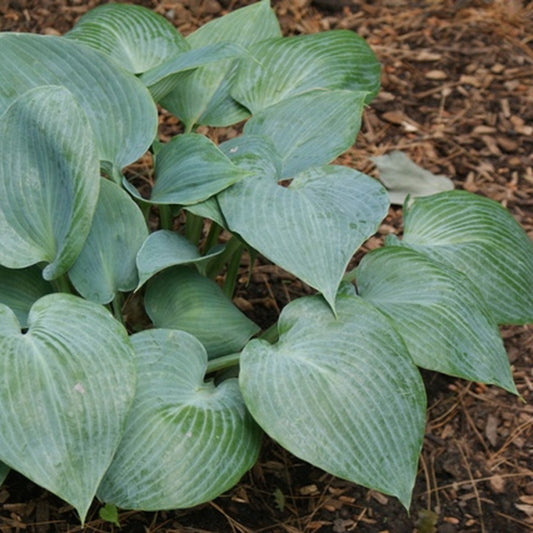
point(457, 98)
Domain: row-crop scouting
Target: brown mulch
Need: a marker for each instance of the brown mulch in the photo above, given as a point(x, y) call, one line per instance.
point(457, 97)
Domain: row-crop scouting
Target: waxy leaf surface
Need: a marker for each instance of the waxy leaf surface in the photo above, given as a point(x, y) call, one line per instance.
point(280, 68)
point(161, 80)
point(341, 393)
point(133, 36)
point(20, 288)
point(203, 96)
point(303, 139)
point(106, 264)
point(49, 180)
point(120, 110)
point(190, 169)
point(312, 227)
point(186, 441)
point(66, 388)
point(480, 238)
point(163, 249)
point(181, 298)
point(440, 314)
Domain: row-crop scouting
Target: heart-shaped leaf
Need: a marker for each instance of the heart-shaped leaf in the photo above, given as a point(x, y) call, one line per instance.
point(67, 386)
point(480, 238)
point(135, 37)
point(277, 69)
point(20, 288)
point(49, 180)
point(186, 441)
point(440, 314)
point(106, 264)
point(341, 393)
point(312, 227)
point(163, 249)
point(304, 139)
point(121, 112)
point(190, 169)
point(180, 298)
point(203, 96)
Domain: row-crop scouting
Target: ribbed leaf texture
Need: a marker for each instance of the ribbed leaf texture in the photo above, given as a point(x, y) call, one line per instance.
point(66, 387)
point(341, 393)
point(121, 112)
point(186, 441)
point(106, 264)
point(133, 36)
point(49, 180)
point(440, 314)
point(480, 238)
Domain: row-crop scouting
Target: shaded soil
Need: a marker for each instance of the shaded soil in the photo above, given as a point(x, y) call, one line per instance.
point(457, 98)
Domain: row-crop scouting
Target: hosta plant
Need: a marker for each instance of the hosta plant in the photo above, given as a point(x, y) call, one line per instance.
point(127, 373)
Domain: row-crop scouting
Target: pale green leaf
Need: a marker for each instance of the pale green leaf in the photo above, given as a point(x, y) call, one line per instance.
point(163, 249)
point(440, 314)
point(203, 96)
point(186, 440)
point(106, 264)
point(133, 36)
point(121, 112)
point(480, 238)
point(277, 69)
point(402, 178)
point(67, 386)
point(310, 228)
point(20, 288)
point(303, 139)
point(190, 169)
point(180, 298)
point(341, 393)
point(49, 180)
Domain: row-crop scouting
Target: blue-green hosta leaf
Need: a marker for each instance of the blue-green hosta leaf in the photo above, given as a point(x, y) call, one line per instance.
point(440, 314)
point(480, 238)
point(180, 298)
point(342, 394)
point(162, 79)
point(208, 209)
point(20, 288)
point(4, 471)
point(163, 249)
point(135, 37)
point(106, 264)
point(203, 96)
point(186, 441)
point(255, 153)
point(190, 169)
point(303, 139)
point(312, 227)
point(120, 110)
point(66, 389)
point(49, 180)
point(277, 69)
